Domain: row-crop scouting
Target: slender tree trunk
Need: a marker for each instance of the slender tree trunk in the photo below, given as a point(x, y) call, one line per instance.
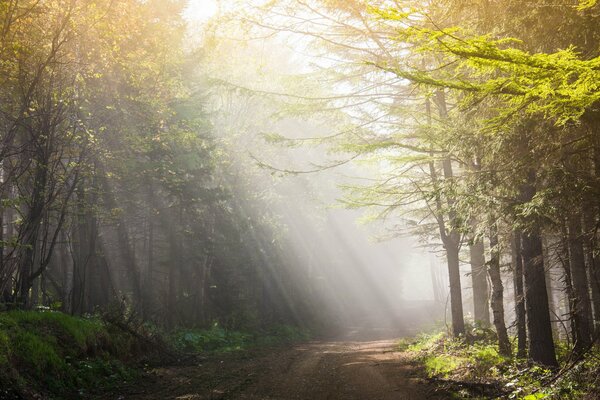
point(517, 262)
point(149, 287)
point(176, 242)
point(28, 238)
point(481, 306)
point(548, 266)
point(5, 272)
point(451, 239)
point(66, 265)
point(456, 307)
point(498, 294)
point(568, 282)
point(581, 307)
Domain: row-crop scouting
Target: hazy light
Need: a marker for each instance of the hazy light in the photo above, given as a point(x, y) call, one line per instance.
point(200, 10)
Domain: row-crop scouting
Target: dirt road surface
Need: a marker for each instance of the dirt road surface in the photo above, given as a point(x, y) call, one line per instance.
point(348, 370)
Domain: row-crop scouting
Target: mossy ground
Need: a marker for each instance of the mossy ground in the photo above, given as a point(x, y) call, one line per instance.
point(60, 355)
point(475, 370)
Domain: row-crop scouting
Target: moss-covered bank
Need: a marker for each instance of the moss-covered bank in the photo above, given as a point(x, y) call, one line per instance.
point(59, 356)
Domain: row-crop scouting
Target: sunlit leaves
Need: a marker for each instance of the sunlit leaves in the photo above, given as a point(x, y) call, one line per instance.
point(559, 85)
point(585, 4)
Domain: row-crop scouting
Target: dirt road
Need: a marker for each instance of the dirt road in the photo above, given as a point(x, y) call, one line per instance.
point(313, 371)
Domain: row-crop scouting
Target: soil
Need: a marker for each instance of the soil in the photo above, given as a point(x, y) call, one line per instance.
point(324, 370)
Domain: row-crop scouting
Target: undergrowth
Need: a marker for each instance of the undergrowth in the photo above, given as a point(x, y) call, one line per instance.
point(57, 356)
point(219, 339)
point(473, 369)
point(61, 355)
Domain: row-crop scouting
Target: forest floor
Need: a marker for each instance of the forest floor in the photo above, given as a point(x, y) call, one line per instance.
point(332, 370)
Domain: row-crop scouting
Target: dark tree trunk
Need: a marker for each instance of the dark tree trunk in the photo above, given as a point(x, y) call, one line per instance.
point(541, 345)
point(592, 262)
point(539, 327)
point(548, 266)
point(568, 282)
point(517, 262)
point(498, 294)
point(28, 235)
point(581, 306)
point(65, 260)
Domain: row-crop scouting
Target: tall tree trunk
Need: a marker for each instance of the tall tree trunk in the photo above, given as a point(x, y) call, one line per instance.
point(450, 236)
point(594, 242)
point(176, 247)
point(592, 262)
point(28, 235)
point(541, 345)
point(539, 328)
point(66, 266)
point(5, 272)
point(456, 307)
point(568, 282)
point(548, 266)
point(498, 293)
point(481, 306)
point(517, 262)
point(581, 308)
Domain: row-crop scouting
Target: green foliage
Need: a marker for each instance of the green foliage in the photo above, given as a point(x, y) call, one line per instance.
point(559, 85)
point(219, 339)
point(455, 360)
point(576, 381)
point(443, 365)
point(445, 356)
point(56, 353)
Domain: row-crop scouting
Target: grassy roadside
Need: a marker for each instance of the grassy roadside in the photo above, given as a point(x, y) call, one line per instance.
point(47, 354)
point(53, 354)
point(476, 370)
point(218, 339)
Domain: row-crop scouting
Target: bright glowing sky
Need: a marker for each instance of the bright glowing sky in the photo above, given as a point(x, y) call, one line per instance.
point(200, 10)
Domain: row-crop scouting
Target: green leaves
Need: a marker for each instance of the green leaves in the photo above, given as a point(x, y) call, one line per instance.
point(559, 85)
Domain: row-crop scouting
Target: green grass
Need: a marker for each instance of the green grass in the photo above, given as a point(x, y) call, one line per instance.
point(58, 354)
point(445, 357)
point(455, 360)
point(218, 339)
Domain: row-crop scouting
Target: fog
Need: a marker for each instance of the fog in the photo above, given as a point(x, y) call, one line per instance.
point(364, 275)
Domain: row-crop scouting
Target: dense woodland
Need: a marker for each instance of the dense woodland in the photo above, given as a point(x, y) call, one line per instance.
point(474, 126)
point(115, 190)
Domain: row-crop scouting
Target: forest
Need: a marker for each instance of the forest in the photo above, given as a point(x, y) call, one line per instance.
point(299, 199)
